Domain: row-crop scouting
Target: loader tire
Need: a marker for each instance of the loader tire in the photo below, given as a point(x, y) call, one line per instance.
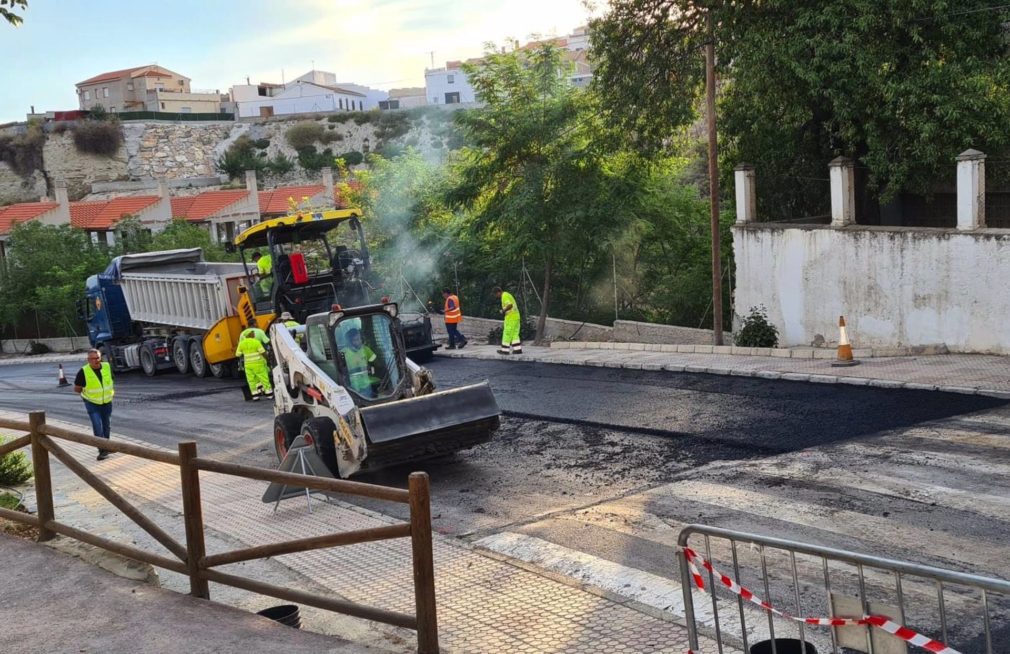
point(287, 427)
point(321, 430)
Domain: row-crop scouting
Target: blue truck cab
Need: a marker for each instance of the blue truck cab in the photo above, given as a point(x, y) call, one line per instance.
point(105, 312)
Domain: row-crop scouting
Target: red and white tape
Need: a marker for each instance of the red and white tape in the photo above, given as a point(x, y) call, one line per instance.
point(879, 621)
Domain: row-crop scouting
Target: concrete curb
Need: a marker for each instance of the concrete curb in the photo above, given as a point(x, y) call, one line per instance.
point(781, 352)
point(741, 372)
point(43, 358)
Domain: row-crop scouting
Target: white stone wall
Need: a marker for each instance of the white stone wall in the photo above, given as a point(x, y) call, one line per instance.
point(62, 161)
point(895, 286)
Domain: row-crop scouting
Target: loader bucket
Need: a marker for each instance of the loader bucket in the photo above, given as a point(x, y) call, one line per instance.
point(429, 426)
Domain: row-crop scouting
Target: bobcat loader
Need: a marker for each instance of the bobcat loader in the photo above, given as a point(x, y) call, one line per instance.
point(344, 382)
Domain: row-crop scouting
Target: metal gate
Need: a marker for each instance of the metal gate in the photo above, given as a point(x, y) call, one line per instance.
point(832, 599)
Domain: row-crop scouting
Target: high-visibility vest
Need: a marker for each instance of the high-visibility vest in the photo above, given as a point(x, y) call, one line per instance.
point(251, 350)
point(265, 264)
point(98, 391)
point(453, 313)
point(507, 299)
point(293, 323)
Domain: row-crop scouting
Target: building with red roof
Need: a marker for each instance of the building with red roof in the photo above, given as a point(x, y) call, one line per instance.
point(145, 88)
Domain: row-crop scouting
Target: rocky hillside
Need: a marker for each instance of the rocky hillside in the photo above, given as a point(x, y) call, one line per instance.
point(30, 162)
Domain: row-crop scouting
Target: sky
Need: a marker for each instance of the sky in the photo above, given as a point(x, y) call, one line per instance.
point(218, 43)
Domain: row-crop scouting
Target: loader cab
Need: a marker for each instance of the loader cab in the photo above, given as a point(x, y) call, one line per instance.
point(316, 259)
point(362, 350)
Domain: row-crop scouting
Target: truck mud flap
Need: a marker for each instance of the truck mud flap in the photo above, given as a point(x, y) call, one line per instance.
point(429, 426)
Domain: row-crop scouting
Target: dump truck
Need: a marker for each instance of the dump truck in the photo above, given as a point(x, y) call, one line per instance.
point(154, 310)
point(343, 382)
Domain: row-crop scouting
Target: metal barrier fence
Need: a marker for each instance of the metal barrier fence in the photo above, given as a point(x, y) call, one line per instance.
point(174, 116)
point(819, 585)
point(191, 558)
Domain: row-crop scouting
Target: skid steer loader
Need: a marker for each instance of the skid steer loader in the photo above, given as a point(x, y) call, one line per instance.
point(344, 382)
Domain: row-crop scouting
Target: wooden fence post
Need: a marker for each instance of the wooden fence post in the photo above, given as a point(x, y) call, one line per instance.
point(424, 568)
point(192, 510)
point(43, 479)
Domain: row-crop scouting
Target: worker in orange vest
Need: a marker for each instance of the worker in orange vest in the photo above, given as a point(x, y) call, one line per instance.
point(453, 316)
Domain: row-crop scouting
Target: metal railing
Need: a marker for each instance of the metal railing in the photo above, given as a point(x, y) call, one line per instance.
point(831, 582)
point(191, 558)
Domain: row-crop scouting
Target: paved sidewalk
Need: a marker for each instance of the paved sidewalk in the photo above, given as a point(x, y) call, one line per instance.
point(972, 374)
point(49, 606)
point(484, 604)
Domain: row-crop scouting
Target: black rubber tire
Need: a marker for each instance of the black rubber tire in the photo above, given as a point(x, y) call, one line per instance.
point(180, 355)
point(287, 427)
point(147, 361)
point(219, 370)
point(321, 431)
point(197, 363)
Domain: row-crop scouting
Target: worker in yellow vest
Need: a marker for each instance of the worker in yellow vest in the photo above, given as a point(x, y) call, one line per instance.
point(289, 321)
point(453, 314)
point(95, 386)
point(254, 359)
point(360, 360)
point(264, 270)
point(510, 343)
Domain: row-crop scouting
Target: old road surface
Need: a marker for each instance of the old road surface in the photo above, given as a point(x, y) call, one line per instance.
point(599, 469)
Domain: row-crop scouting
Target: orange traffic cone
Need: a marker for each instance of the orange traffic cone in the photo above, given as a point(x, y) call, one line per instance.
point(63, 377)
point(844, 347)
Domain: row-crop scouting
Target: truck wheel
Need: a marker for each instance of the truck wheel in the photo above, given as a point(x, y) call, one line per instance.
point(197, 363)
point(218, 370)
point(180, 355)
point(287, 427)
point(320, 430)
point(147, 362)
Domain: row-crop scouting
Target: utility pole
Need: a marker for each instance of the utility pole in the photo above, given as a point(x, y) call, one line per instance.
point(713, 183)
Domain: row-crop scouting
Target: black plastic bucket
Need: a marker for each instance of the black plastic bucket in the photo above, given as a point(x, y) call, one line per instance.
point(286, 614)
point(783, 646)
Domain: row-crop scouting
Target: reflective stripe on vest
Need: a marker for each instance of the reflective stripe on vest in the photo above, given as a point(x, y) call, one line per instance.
point(98, 391)
point(453, 315)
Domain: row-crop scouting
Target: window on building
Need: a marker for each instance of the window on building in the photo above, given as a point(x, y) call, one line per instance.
point(129, 86)
point(341, 103)
point(451, 79)
point(87, 95)
point(112, 109)
point(162, 105)
point(452, 98)
point(186, 110)
point(261, 90)
point(105, 91)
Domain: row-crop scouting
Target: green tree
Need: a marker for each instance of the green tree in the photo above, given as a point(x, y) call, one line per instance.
point(45, 271)
point(901, 85)
point(8, 9)
point(534, 176)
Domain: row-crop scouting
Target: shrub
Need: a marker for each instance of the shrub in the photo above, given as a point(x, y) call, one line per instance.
point(362, 117)
point(313, 161)
point(23, 153)
point(335, 118)
point(392, 125)
point(281, 164)
point(304, 134)
point(240, 156)
point(34, 347)
point(262, 144)
point(98, 112)
point(98, 137)
point(352, 158)
point(330, 137)
point(14, 467)
point(756, 331)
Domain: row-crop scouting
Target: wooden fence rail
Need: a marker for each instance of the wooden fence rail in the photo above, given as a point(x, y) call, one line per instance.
point(191, 558)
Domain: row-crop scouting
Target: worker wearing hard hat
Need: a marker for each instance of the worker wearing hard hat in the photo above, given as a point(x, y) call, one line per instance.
point(289, 321)
point(510, 343)
point(254, 359)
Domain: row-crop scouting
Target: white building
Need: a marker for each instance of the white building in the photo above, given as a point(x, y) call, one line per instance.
point(314, 92)
point(405, 98)
point(448, 85)
point(372, 96)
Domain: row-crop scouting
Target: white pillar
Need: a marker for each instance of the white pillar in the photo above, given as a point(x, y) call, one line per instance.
point(843, 191)
point(970, 190)
point(328, 185)
point(746, 195)
point(63, 200)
